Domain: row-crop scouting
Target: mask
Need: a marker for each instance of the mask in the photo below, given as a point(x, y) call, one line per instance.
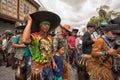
point(111, 38)
point(64, 34)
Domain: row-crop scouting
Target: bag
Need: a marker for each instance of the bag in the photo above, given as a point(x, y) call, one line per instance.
point(19, 53)
point(9, 47)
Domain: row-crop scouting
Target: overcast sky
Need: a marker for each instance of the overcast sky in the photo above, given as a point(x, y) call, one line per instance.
point(77, 12)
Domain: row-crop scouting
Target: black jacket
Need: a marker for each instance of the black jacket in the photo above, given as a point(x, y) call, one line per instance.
point(87, 43)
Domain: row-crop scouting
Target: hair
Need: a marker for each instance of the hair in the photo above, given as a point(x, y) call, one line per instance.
point(60, 45)
point(91, 25)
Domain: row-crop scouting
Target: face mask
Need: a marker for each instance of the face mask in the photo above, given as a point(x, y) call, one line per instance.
point(112, 38)
point(64, 34)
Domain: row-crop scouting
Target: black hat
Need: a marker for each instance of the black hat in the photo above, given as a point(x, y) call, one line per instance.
point(112, 27)
point(115, 20)
point(116, 29)
point(22, 27)
point(40, 16)
point(75, 30)
point(91, 25)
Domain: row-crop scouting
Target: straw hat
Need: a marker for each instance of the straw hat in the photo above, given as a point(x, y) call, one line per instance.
point(68, 28)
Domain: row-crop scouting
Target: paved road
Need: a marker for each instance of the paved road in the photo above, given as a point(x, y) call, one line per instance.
point(6, 73)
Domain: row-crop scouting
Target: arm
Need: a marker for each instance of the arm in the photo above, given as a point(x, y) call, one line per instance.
point(16, 43)
point(27, 31)
point(53, 62)
point(98, 47)
point(76, 45)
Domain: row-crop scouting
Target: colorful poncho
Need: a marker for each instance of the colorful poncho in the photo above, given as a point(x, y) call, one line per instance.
point(42, 48)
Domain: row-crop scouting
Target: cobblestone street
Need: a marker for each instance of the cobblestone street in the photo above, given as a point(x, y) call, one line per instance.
point(6, 73)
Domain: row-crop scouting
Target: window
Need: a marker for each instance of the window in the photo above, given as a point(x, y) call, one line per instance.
point(4, 1)
point(26, 9)
point(10, 2)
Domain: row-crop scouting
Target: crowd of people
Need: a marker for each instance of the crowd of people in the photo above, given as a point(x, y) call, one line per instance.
point(37, 55)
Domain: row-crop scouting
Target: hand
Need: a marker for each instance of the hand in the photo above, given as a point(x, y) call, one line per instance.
point(78, 51)
point(112, 52)
point(54, 65)
point(94, 39)
point(23, 45)
point(28, 18)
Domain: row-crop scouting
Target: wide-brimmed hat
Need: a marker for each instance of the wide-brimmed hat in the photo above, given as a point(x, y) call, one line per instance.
point(68, 28)
point(40, 16)
point(115, 28)
point(115, 20)
point(8, 32)
point(22, 27)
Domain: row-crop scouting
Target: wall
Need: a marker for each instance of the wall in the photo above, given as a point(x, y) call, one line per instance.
point(6, 26)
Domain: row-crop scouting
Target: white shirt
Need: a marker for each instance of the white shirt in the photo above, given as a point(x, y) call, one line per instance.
point(4, 43)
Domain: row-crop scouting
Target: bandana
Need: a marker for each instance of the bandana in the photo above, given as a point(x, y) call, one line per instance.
point(44, 22)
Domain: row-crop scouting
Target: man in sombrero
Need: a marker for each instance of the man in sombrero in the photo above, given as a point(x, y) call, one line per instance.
point(35, 33)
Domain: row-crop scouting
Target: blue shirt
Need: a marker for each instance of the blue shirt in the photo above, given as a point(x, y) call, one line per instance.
point(59, 61)
point(27, 50)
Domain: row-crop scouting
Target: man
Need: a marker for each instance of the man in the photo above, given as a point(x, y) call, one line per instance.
point(116, 46)
point(62, 37)
point(78, 44)
point(40, 24)
point(100, 68)
point(22, 54)
point(87, 39)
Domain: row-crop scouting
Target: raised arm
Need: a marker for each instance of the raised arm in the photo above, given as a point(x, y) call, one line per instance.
point(27, 31)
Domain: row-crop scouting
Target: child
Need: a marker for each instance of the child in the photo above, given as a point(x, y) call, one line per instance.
point(58, 57)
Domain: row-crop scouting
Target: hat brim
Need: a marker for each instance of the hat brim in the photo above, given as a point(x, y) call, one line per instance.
point(116, 31)
point(70, 30)
point(40, 16)
point(21, 27)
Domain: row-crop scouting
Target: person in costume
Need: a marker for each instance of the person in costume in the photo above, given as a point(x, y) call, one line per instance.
point(116, 46)
point(35, 33)
point(100, 67)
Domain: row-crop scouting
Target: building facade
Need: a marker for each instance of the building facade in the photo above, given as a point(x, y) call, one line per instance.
point(13, 11)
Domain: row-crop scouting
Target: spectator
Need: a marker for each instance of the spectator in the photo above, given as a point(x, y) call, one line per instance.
point(58, 57)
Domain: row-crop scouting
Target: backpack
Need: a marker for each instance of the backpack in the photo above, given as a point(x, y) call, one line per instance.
point(9, 47)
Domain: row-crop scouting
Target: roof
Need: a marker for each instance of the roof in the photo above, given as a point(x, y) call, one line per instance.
point(34, 3)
